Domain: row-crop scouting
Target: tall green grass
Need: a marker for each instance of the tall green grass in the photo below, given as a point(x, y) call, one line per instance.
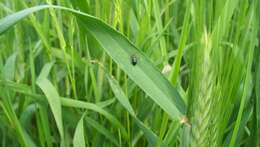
point(130, 73)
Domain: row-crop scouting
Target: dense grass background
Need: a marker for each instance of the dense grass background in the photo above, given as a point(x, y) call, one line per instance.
point(68, 79)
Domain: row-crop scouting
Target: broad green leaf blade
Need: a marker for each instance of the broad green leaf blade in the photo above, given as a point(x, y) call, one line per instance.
point(52, 96)
point(53, 100)
point(144, 74)
point(78, 139)
point(12, 19)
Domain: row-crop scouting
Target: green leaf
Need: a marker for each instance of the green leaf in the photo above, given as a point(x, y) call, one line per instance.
point(12, 19)
point(257, 88)
point(144, 73)
point(9, 68)
point(257, 97)
point(52, 96)
point(78, 139)
point(119, 94)
point(184, 35)
point(45, 71)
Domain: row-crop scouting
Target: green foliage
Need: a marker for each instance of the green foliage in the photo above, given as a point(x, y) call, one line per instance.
point(130, 73)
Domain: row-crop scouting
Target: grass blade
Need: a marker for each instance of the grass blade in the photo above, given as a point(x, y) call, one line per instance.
point(78, 139)
point(9, 68)
point(151, 137)
point(257, 88)
point(12, 19)
point(52, 96)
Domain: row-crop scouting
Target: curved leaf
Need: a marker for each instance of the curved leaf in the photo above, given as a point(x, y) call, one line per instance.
point(52, 96)
point(78, 139)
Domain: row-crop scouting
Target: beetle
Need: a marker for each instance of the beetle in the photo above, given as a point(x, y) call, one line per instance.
point(134, 60)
